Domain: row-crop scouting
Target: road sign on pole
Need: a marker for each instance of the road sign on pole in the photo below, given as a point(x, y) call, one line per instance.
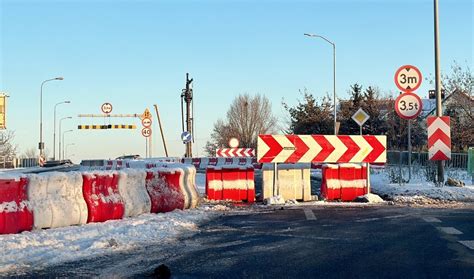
point(439, 138)
point(360, 117)
point(186, 137)
point(408, 105)
point(408, 78)
point(146, 132)
point(146, 122)
point(106, 108)
point(146, 114)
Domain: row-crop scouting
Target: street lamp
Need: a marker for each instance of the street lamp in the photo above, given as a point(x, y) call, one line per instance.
point(41, 143)
point(334, 72)
point(60, 120)
point(69, 144)
point(54, 133)
point(68, 131)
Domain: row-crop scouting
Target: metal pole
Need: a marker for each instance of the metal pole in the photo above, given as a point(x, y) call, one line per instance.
point(439, 108)
point(41, 143)
point(54, 133)
point(409, 150)
point(360, 129)
point(275, 179)
point(334, 89)
point(161, 129)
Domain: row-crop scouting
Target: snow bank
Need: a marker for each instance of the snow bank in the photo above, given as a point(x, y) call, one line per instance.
point(56, 199)
point(132, 188)
point(42, 248)
point(381, 185)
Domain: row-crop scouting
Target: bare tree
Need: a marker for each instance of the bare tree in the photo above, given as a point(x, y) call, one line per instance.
point(7, 148)
point(246, 118)
point(29, 153)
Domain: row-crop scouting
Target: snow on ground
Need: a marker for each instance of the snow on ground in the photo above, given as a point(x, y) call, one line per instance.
point(418, 189)
point(45, 247)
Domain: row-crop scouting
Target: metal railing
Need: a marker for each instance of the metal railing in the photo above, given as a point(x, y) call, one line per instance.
point(458, 160)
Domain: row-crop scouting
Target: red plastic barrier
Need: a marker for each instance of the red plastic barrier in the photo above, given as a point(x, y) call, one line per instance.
point(235, 183)
point(330, 186)
point(102, 197)
point(15, 216)
point(164, 189)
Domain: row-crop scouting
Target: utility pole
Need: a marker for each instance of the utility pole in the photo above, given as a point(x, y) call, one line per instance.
point(439, 105)
point(187, 97)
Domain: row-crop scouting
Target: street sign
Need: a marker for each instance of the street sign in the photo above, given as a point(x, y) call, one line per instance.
point(439, 138)
point(106, 108)
point(186, 137)
point(408, 105)
point(360, 117)
point(321, 149)
point(408, 78)
point(235, 152)
point(234, 143)
point(146, 122)
point(146, 132)
point(146, 114)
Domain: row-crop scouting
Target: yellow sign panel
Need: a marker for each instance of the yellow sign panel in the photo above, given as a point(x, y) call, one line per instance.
point(360, 117)
point(146, 114)
point(3, 122)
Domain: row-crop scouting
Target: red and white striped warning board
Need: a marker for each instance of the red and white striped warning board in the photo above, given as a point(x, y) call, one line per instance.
point(235, 152)
point(321, 149)
point(439, 138)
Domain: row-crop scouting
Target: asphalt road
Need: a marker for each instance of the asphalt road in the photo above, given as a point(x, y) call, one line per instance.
point(311, 242)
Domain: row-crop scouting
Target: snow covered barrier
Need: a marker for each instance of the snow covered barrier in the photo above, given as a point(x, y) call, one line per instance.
point(189, 183)
point(330, 184)
point(293, 181)
point(163, 187)
point(57, 199)
point(15, 214)
point(231, 182)
point(132, 188)
point(104, 202)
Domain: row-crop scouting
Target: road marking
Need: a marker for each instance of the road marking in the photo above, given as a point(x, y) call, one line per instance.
point(309, 214)
point(431, 219)
point(449, 230)
point(468, 243)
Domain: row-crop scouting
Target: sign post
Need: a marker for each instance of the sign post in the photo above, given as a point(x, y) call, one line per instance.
point(147, 131)
point(408, 105)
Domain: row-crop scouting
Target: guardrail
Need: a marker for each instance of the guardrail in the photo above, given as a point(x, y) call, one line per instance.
point(458, 160)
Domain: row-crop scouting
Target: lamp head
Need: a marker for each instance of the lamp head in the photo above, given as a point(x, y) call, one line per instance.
point(59, 78)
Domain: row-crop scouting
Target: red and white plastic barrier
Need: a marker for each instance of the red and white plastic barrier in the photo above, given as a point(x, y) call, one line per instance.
point(57, 199)
point(101, 194)
point(15, 213)
point(344, 181)
point(132, 188)
point(231, 182)
point(163, 186)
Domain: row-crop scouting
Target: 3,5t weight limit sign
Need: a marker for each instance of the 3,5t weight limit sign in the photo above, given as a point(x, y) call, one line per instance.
point(408, 105)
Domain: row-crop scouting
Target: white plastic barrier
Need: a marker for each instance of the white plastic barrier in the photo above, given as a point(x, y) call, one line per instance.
point(56, 199)
point(132, 188)
point(293, 181)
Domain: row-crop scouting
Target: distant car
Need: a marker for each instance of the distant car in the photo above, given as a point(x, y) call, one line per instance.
point(56, 163)
point(133, 157)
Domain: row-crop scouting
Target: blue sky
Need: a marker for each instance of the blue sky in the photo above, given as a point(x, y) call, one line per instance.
point(134, 54)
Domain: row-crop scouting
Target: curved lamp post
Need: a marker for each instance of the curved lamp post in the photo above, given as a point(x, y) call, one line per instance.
point(334, 73)
point(54, 133)
point(68, 131)
point(60, 122)
point(41, 143)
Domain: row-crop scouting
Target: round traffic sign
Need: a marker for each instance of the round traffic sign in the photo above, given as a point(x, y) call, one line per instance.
point(186, 137)
point(234, 143)
point(408, 105)
point(408, 78)
point(106, 108)
point(146, 122)
point(146, 132)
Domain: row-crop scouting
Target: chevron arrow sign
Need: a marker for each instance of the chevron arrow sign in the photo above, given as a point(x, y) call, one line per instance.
point(439, 138)
point(321, 149)
point(235, 152)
